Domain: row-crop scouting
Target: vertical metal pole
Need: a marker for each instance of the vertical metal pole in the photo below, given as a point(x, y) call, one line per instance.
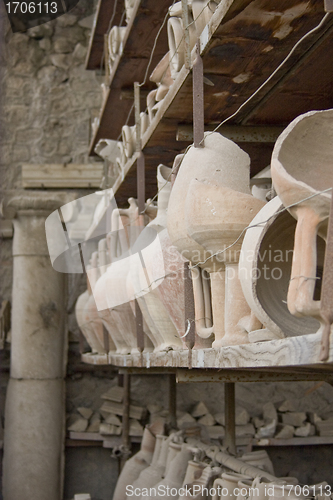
point(126, 413)
point(173, 401)
point(139, 328)
point(140, 170)
point(106, 60)
point(106, 339)
point(137, 116)
point(198, 100)
point(326, 302)
point(189, 312)
point(185, 19)
point(81, 342)
point(230, 429)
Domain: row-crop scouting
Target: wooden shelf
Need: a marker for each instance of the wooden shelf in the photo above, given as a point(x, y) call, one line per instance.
point(292, 357)
point(105, 10)
point(96, 439)
point(241, 47)
point(131, 65)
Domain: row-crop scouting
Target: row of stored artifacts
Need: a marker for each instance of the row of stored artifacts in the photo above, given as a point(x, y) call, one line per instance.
point(256, 265)
point(186, 464)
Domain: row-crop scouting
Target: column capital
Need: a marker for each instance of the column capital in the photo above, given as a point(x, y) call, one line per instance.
point(14, 202)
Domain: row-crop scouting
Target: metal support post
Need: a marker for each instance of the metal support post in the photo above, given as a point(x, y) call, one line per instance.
point(126, 415)
point(173, 400)
point(198, 100)
point(230, 429)
point(140, 169)
point(189, 312)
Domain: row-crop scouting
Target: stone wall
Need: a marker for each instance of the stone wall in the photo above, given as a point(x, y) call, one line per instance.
point(48, 101)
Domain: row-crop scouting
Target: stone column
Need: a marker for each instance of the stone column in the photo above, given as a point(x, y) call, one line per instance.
point(35, 412)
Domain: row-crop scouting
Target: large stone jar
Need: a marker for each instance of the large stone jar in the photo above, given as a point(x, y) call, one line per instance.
point(135, 465)
point(301, 169)
point(154, 287)
point(210, 206)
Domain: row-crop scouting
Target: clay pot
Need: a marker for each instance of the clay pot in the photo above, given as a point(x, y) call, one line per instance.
point(265, 269)
point(301, 167)
point(209, 474)
point(259, 459)
point(176, 43)
point(154, 473)
point(82, 319)
point(129, 8)
point(151, 100)
point(202, 13)
point(121, 159)
point(115, 40)
point(193, 472)
point(259, 488)
point(110, 291)
point(154, 275)
point(227, 485)
point(161, 75)
point(209, 207)
point(135, 465)
point(175, 473)
point(129, 140)
point(144, 120)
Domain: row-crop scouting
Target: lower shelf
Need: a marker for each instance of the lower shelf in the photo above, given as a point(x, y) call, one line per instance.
point(302, 351)
point(95, 439)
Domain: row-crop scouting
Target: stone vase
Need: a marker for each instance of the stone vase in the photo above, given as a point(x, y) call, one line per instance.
point(265, 267)
point(149, 279)
point(129, 140)
point(175, 473)
point(177, 44)
point(259, 459)
point(161, 75)
point(202, 13)
point(228, 482)
point(82, 319)
point(135, 465)
point(115, 39)
point(154, 473)
point(206, 480)
point(210, 206)
point(300, 168)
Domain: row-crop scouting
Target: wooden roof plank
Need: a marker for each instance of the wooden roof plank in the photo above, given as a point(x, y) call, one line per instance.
point(105, 11)
point(132, 64)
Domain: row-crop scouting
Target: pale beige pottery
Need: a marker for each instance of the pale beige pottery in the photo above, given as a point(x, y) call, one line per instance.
point(210, 205)
point(135, 465)
point(265, 267)
point(301, 168)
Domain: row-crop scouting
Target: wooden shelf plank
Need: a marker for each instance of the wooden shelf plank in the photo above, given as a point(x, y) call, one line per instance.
point(105, 10)
point(300, 352)
point(301, 441)
point(62, 175)
point(131, 66)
